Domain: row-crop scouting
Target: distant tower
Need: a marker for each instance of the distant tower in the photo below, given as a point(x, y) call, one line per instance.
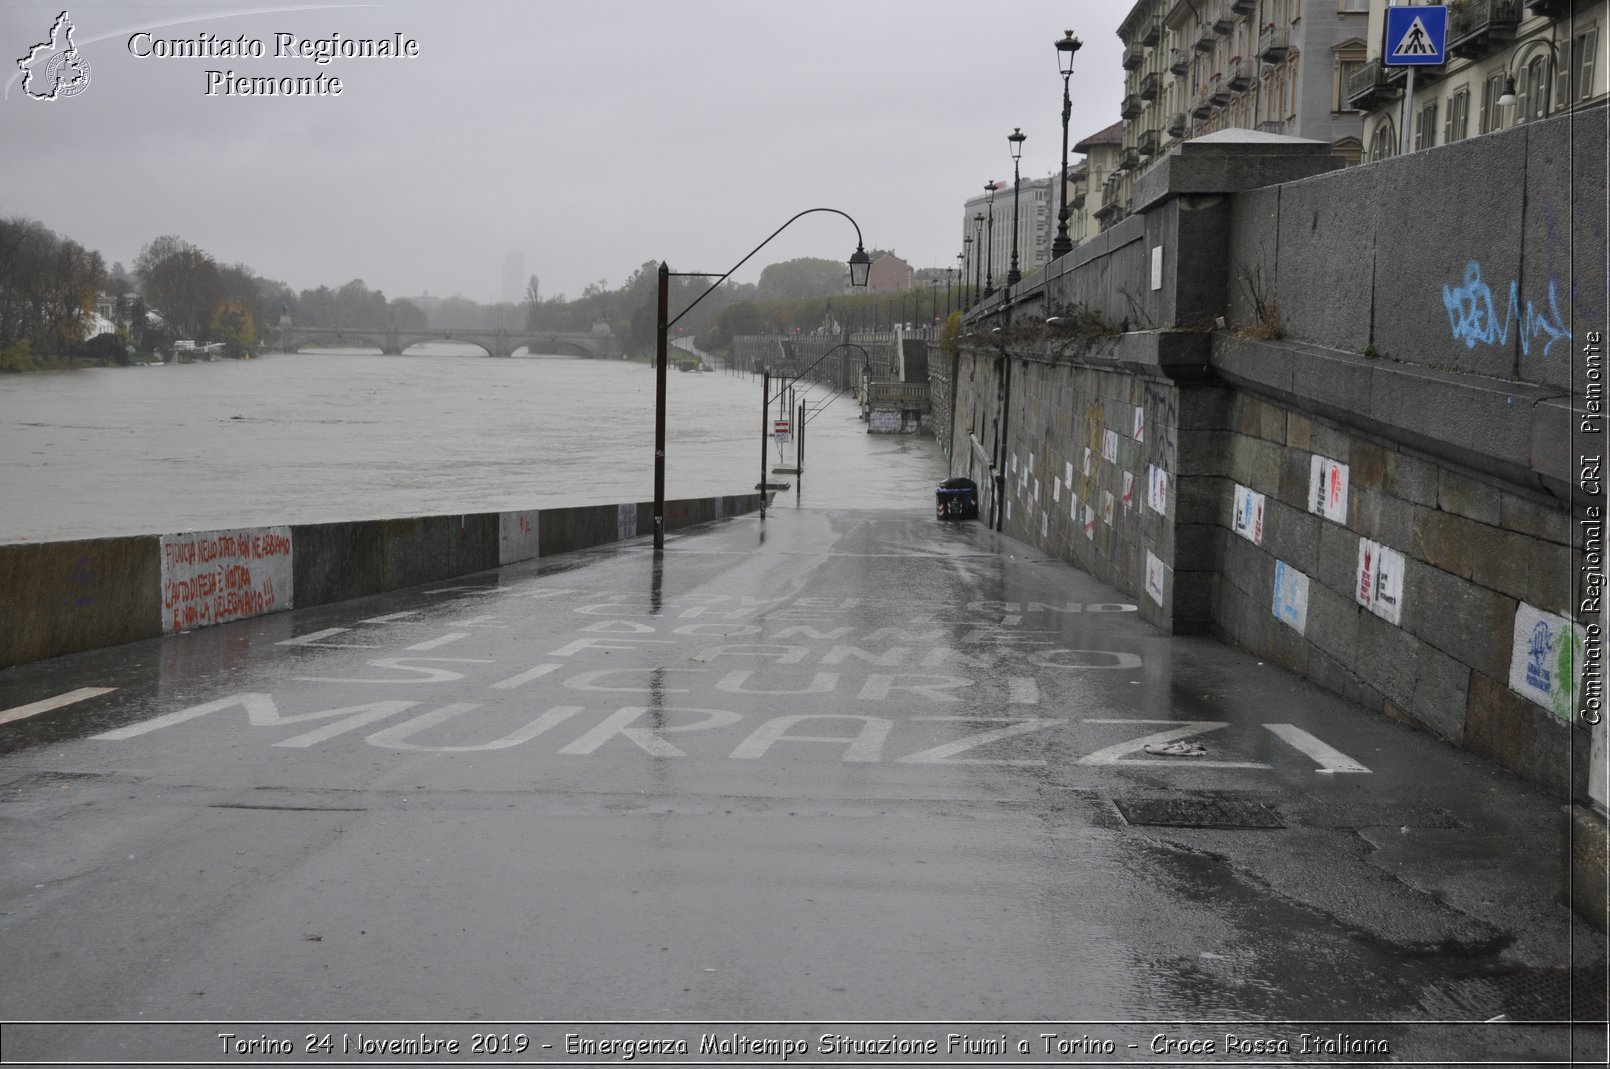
point(512, 290)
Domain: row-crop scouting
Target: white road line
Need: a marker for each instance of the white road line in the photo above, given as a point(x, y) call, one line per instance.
point(1329, 758)
point(22, 712)
point(432, 643)
point(525, 677)
point(312, 639)
point(391, 617)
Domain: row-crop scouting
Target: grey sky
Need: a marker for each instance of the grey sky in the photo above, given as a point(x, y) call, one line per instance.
point(588, 136)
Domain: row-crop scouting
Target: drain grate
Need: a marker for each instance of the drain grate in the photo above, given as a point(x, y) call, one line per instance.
point(1199, 812)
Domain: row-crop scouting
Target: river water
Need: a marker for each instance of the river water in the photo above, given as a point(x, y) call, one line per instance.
point(312, 437)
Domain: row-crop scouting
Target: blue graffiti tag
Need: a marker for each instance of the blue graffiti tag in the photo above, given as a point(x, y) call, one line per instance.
point(1473, 318)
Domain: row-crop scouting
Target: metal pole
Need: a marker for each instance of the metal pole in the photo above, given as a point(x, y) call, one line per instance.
point(989, 245)
point(1408, 112)
point(1061, 245)
point(660, 344)
point(765, 414)
point(1014, 276)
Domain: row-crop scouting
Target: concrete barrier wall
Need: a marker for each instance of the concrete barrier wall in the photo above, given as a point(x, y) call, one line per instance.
point(1383, 464)
point(63, 597)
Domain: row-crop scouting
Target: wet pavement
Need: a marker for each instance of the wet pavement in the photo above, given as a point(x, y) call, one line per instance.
point(835, 766)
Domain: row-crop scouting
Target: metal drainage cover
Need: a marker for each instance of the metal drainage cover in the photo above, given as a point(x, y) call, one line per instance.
point(1199, 812)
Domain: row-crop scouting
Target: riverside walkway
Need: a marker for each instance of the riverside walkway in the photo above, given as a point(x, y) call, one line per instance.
point(836, 765)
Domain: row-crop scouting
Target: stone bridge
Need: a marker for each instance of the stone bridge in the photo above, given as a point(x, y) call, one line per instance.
point(596, 344)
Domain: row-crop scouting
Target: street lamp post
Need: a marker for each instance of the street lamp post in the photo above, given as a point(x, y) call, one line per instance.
point(1061, 245)
point(978, 259)
point(1015, 139)
point(989, 241)
point(860, 265)
point(967, 261)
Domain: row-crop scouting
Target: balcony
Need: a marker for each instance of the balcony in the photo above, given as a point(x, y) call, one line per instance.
point(1548, 8)
point(1238, 75)
point(1134, 56)
point(1201, 106)
point(1179, 61)
point(1107, 214)
point(1273, 44)
point(1206, 39)
point(1272, 126)
point(1148, 144)
point(1223, 22)
point(1176, 124)
point(1218, 92)
point(1128, 159)
point(1369, 87)
point(1131, 106)
point(1150, 86)
point(1077, 200)
point(1482, 27)
point(1243, 7)
point(1151, 35)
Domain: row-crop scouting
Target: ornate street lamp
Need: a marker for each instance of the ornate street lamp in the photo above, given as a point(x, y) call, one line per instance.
point(989, 242)
point(860, 266)
point(1508, 99)
point(978, 259)
point(1015, 139)
point(967, 260)
point(1061, 245)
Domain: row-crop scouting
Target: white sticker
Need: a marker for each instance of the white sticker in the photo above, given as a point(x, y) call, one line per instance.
point(1247, 519)
point(1378, 584)
point(1157, 489)
point(1546, 659)
point(1109, 446)
point(1154, 577)
point(1291, 597)
point(1140, 424)
point(1327, 489)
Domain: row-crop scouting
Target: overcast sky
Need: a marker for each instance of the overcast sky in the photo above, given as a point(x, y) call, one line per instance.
point(588, 136)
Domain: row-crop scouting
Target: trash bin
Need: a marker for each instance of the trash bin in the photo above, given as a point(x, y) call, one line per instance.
point(958, 499)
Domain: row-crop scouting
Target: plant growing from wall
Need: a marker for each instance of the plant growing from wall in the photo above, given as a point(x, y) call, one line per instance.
point(1265, 308)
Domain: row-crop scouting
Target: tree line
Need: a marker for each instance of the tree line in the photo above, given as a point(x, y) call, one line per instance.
point(50, 285)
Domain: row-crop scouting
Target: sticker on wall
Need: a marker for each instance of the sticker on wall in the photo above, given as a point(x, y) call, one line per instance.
point(1056, 491)
point(1140, 424)
point(1379, 582)
point(1546, 659)
point(1008, 508)
point(1291, 597)
point(1129, 490)
point(517, 535)
point(1109, 447)
point(626, 520)
point(1012, 465)
point(1157, 489)
point(1107, 509)
point(1031, 463)
point(1157, 267)
point(1045, 523)
point(1154, 577)
point(1073, 507)
point(1090, 523)
point(1247, 519)
point(1067, 475)
point(1087, 460)
point(1327, 488)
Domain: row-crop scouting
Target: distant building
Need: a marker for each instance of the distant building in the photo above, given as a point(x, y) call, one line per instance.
point(889, 274)
point(1102, 152)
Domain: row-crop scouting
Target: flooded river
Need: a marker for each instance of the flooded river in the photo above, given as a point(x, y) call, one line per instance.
point(315, 437)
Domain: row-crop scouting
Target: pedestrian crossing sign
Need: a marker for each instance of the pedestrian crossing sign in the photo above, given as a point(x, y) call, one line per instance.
point(1415, 37)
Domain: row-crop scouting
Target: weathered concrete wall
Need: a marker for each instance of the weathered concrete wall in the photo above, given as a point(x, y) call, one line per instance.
point(64, 597)
point(1402, 330)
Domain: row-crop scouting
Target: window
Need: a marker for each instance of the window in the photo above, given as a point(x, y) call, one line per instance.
point(1492, 116)
point(1532, 91)
point(1345, 69)
point(1425, 126)
point(1576, 78)
point(1458, 121)
point(1353, 5)
point(1384, 142)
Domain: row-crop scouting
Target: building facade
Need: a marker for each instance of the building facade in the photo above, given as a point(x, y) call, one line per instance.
point(1549, 52)
point(1195, 67)
point(987, 231)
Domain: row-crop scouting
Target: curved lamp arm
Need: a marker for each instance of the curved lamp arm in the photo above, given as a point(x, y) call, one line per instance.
point(1508, 99)
point(818, 360)
point(857, 258)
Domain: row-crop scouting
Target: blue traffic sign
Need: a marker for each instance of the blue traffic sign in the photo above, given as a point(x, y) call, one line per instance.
point(1415, 37)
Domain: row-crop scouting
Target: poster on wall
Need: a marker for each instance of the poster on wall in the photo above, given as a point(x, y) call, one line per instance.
point(1327, 488)
point(1090, 523)
point(1140, 424)
point(1154, 577)
point(1291, 597)
point(1378, 584)
point(1157, 489)
point(1546, 659)
point(1067, 474)
point(1247, 519)
point(1087, 460)
point(212, 577)
point(1109, 447)
point(1129, 490)
point(1107, 510)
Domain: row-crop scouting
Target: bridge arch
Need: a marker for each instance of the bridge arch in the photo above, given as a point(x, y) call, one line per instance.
point(335, 339)
point(408, 341)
